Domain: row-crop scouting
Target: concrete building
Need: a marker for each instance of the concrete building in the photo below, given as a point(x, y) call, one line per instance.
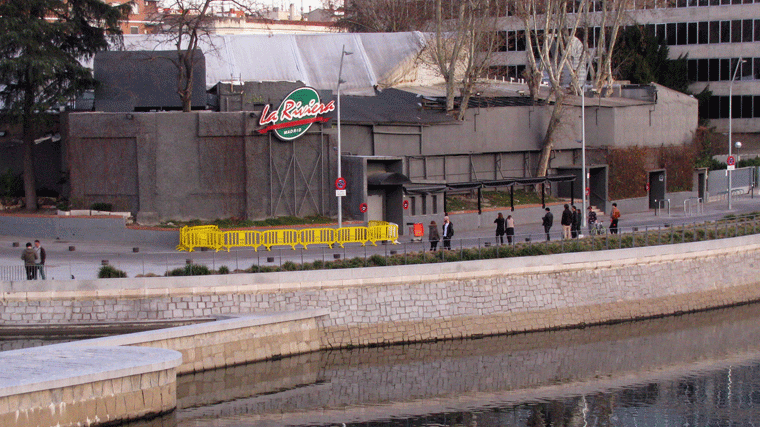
point(398, 144)
point(715, 34)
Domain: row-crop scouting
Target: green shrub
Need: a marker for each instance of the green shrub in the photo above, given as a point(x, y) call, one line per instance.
point(109, 272)
point(224, 270)
point(190, 270)
point(289, 266)
point(100, 206)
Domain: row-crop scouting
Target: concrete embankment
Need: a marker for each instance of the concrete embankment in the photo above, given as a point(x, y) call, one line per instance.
point(381, 305)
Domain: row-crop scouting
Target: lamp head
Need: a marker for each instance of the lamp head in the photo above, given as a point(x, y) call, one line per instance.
point(738, 145)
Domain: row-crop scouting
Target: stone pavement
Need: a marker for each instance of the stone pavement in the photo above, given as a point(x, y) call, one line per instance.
point(81, 258)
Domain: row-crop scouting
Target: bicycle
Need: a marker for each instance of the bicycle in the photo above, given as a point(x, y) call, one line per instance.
point(597, 229)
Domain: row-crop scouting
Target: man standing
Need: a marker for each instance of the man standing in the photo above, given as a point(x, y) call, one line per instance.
point(566, 221)
point(448, 233)
point(591, 219)
point(548, 221)
point(30, 260)
point(577, 220)
point(41, 258)
point(614, 217)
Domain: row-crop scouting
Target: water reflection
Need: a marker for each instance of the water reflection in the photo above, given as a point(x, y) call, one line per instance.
point(698, 369)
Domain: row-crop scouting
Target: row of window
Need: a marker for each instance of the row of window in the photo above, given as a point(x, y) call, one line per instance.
point(707, 32)
point(506, 72)
point(722, 69)
point(702, 3)
point(674, 34)
point(739, 107)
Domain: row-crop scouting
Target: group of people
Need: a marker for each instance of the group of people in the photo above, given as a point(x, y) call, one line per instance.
point(34, 260)
point(447, 230)
point(572, 219)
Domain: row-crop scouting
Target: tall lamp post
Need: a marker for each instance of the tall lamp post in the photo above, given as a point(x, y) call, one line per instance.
point(340, 80)
point(730, 118)
point(584, 214)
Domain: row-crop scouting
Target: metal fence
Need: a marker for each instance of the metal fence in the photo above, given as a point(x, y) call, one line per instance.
point(247, 260)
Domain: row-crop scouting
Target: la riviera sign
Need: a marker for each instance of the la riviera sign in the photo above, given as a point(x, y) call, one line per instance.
point(295, 115)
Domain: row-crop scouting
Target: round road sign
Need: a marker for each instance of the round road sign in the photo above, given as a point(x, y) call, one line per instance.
point(406, 204)
point(731, 161)
point(340, 183)
point(363, 208)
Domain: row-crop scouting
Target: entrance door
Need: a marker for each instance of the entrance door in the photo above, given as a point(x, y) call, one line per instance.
point(375, 207)
point(656, 188)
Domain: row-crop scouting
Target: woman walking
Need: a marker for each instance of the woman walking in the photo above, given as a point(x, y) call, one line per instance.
point(433, 235)
point(510, 228)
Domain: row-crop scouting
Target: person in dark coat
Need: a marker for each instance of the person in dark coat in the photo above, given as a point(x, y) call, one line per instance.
point(548, 221)
point(41, 255)
point(448, 232)
point(29, 255)
point(577, 219)
point(566, 221)
point(500, 228)
point(591, 219)
point(434, 236)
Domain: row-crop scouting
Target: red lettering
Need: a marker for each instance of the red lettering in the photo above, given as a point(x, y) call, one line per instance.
point(266, 117)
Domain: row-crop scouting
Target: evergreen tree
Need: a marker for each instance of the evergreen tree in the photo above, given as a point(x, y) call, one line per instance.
point(42, 44)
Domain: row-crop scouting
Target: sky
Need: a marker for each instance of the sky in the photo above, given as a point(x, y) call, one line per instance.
point(315, 4)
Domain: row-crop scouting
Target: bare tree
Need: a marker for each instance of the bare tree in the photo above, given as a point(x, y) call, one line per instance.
point(568, 41)
point(553, 51)
point(186, 22)
point(462, 49)
point(371, 16)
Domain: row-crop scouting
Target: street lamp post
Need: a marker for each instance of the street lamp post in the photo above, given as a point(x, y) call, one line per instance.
point(340, 74)
point(730, 118)
point(583, 156)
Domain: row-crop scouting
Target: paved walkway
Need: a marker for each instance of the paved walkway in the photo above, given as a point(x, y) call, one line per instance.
point(81, 259)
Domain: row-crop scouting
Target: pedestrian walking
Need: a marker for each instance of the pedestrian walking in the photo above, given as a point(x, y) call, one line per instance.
point(614, 218)
point(30, 262)
point(433, 236)
point(510, 229)
point(591, 219)
point(41, 255)
point(500, 228)
point(577, 220)
point(566, 221)
point(548, 221)
point(448, 232)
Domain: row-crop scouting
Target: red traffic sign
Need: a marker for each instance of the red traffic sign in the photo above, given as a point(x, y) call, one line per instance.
point(588, 191)
point(406, 204)
point(340, 183)
point(731, 161)
point(363, 208)
point(646, 187)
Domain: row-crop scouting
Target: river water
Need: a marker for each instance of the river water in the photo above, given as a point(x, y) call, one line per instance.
point(699, 369)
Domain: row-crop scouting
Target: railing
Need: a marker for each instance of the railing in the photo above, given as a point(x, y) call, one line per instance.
point(209, 236)
point(246, 259)
point(660, 204)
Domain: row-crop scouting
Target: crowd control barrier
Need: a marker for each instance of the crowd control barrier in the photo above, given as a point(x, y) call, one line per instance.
point(210, 236)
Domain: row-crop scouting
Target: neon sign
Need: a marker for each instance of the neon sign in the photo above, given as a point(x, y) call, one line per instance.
point(295, 115)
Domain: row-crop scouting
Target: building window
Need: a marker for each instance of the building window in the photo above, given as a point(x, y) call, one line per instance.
point(134, 30)
point(413, 202)
point(715, 32)
point(736, 31)
point(725, 31)
point(423, 203)
point(703, 33)
point(435, 202)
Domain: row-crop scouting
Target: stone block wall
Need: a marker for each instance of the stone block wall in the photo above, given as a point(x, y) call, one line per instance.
point(426, 302)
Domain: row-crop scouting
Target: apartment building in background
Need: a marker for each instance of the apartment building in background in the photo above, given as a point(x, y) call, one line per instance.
point(717, 35)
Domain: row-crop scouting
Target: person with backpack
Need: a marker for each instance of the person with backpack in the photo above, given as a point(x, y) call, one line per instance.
point(448, 232)
point(614, 218)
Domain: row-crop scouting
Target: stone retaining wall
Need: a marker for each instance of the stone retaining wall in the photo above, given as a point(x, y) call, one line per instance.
point(63, 386)
point(424, 302)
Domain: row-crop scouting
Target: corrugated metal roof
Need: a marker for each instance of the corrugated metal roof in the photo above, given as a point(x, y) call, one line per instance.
point(377, 59)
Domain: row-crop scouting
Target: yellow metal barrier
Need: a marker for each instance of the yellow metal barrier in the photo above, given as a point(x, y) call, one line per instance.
point(316, 236)
point(209, 236)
